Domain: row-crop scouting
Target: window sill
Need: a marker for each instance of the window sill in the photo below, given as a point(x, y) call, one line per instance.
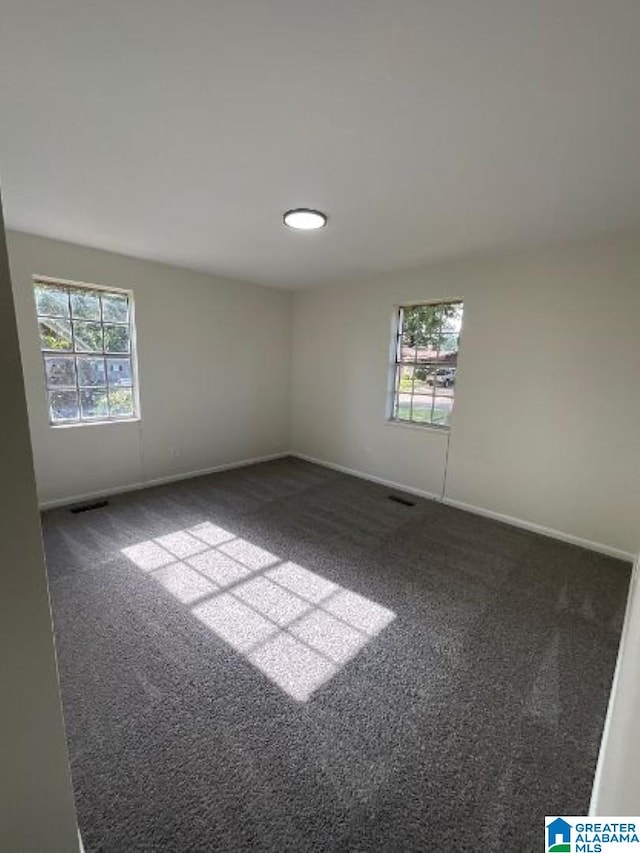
point(74, 424)
point(443, 430)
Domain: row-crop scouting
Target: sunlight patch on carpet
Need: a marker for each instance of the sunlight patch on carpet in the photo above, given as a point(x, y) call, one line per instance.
point(296, 627)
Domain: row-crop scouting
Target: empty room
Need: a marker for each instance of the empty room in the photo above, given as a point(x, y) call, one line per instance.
point(321, 449)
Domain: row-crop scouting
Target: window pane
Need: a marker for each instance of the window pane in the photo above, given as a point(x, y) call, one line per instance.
point(421, 319)
point(55, 334)
point(403, 407)
point(441, 377)
point(422, 406)
point(422, 376)
point(63, 406)
point(85, 305)
point(421, 325)
point(449, 345)
point(87, 323)
point(119, 371)
point(405, 381)
point(445, 390)
point(87, 337)
point(452, 318)
point(52, 300)
point(116, 338)
point(115, 308)
point(60, 370)
point(91, 371)
point(427, 352)
point(420, 333)
point(442, 408)
point(93, 402)
point(121, 402)
point(404, 392)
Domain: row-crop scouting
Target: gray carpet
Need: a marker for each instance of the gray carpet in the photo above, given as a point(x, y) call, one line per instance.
point(384, 678)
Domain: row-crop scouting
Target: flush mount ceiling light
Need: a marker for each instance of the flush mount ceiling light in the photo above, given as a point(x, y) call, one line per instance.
point(304, 219)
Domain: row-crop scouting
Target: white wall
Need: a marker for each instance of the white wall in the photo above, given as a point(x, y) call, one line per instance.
point(616, 789)
point(213, 359)
point(546, 398)
point(545, 427)
point(545, 430)
point(36, 803)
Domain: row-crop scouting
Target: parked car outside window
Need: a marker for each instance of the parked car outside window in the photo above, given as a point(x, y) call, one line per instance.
point(445, 376)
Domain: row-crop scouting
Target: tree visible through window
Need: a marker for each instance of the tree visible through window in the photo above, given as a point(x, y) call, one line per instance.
point(426, 363)
point(86, 337)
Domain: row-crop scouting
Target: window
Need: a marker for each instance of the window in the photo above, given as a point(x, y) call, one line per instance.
point(426, 363)
point(87, 341)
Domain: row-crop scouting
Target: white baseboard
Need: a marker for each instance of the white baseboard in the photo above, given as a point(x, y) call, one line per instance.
point(352, 471)
point(422, 493)
point(619, 737)
point(601, 548)
point(159, 481)
point(624, 652)
point(609, 550)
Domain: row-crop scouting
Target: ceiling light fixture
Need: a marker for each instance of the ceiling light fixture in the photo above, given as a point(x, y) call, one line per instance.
point(304, 219)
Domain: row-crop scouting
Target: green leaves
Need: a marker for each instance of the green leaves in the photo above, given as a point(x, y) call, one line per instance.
point(52, 300)
point(95, 380)
point(87, 337)
point(426, 325)
point(116, 338)
point(426, 362)
point(85, 305)
point(55, 334)
point(115, 308)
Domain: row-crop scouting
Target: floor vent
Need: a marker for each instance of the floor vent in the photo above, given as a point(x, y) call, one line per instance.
point(88, 507)
point(398, 500)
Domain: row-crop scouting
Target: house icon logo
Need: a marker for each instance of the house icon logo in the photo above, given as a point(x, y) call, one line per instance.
point(558, 836)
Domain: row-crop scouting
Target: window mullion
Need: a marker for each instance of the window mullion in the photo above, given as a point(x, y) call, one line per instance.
point(73, 350)
point(427, 316)
point(98, 397)
point(73, 331)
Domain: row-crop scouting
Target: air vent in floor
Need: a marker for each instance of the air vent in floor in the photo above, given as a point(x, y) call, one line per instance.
point(89, 507)
point(398, 500)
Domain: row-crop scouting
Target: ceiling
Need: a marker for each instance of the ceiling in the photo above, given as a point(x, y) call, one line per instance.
point(181, 131)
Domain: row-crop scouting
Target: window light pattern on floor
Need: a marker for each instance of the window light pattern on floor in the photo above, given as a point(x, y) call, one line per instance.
point(295, 626)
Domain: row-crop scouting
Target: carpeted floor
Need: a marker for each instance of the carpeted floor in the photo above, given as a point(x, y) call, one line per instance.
point(280, 658)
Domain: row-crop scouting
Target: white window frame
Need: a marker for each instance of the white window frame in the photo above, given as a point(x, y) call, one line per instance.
point(132, 354)
point(397, 362)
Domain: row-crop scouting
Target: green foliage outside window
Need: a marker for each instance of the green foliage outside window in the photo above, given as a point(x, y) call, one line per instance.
point(85, 335)
point(426, 325)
